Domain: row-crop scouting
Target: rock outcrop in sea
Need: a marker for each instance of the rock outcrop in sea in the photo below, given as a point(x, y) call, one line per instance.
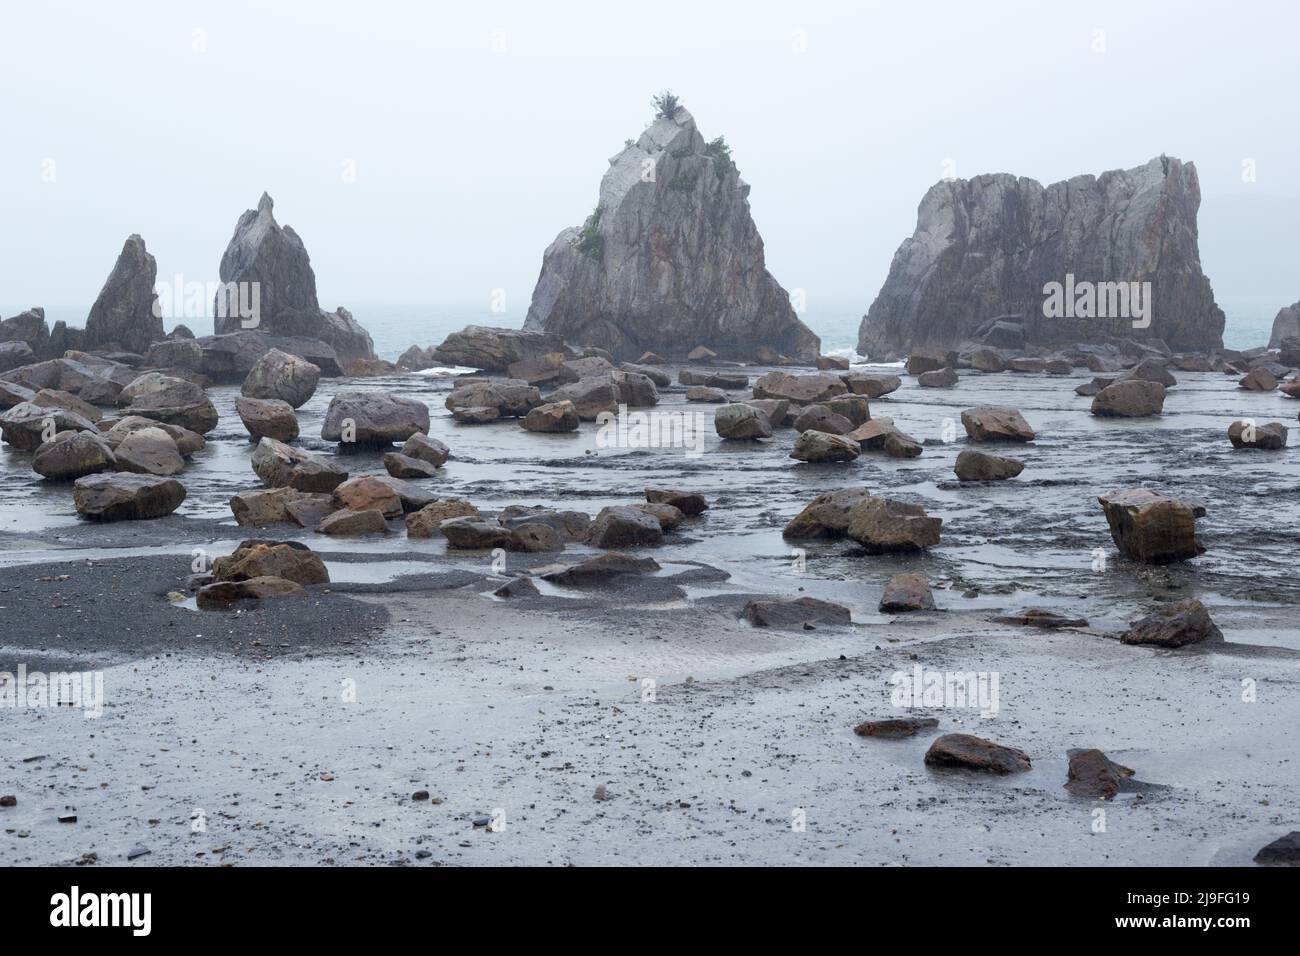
point(273, 256)
point(125, 317)
point(986, 249)
point(670, 259)
point(1286, 325)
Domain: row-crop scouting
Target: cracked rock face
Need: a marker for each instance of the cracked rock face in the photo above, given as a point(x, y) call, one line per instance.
point(263, 252)
point(124, 316)
point(670, 260)
point(985, 248)
point(1286, 325)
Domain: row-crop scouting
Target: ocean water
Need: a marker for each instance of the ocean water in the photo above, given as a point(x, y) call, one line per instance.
point(395, 328)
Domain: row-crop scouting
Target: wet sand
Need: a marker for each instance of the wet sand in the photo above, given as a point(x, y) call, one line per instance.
point(527, 706)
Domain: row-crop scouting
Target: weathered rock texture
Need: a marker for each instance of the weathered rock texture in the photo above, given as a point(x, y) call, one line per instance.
point(984, 248)
point(1285, 326)
point(670, 260)
point(125, 315)
point(263, 251)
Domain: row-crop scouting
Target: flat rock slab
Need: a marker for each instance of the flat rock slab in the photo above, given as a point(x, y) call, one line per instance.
point(895, 728)
point(126, 497)
point(968, 752)
point(796, 613)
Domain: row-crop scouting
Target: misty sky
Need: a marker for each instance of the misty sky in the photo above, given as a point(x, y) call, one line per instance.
point(469, 160)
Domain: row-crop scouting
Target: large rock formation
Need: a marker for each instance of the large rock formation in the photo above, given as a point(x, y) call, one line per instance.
point(264, 252)
point(986, 248)
point(126, 314)
point(669, 260)
point(1286, 325)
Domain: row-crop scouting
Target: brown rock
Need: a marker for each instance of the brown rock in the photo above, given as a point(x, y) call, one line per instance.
point(818, 447)
point(1093, 774)
point(1129, 398)
point(687, 502)
point(347, 522)
point(827, 515)
point(1175, 625)
point(624, 527)
point(996, 423)
point(369, 493)
point(403, 466)
point(975, 465)
point(271, 559)
point(552, 417)
point(795, 613)
point(974, 753)
point(428, 449)
point(884, 525)
point(267, 418)
point(427, 522)
point(895, 728)
point(149, 451)
point(225, 593)
point(125, 497)
point(1151, 527)
point(1258, 380)
point(1270, 437)
point(907, 591)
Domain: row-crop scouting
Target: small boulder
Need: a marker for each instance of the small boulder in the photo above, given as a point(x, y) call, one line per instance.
point(687, 502)
point(907, 591)
point(286, 560)
point(739, 422)
point(149, 451)
point(267, 418)
point(1129, 398)
point(428, 449)
point(885, 525)
point(346, 523)
point(941, 378)
point(968, 752)
point(403, 466)
point(1151, 527)
point(72, 455)
point(280, 465)
point(1175, 625)
point(895, 728)
point(369, 493)
point(474, 534)
point(1092, 774)
point(827, 515)
point(703, 393)
point(872, 386)
point(427, 522)
point(1258, 380)
point(817, 447)
point(996, 423)
point(126, 497)
point(559, 416)
point(795, 613)
point(1245, 434)
point(822, 419)
point(281, 377)
point(222, 594)
point(624, 527)
point(975, 465)
point(373, 418)
point(1284, 851)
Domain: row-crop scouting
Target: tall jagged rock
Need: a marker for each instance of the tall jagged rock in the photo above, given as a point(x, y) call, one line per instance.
point(670, 259)
point(126, 315)
point(29, 327)
point(1285, 326)
point(986, 248)
point(273, 256)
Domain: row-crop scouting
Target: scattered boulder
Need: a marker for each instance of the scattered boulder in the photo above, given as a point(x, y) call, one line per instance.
point(307, 510)
point(996, 423)
point(602, 569)
point(280, 465)
point(1088, 389)
point(369, 493)
point(187, 442)
point(687, 502)
point(571, 525)
point(797, 613)
point(347, 522)
point(808, 389)
point(822, 419)
point(496, 350)
point(1284, 851)
point(1151, 527)
point(427, 522)
point(149, 451)
point(280, 559)
point(1175, 625)
point(1246, 434)
point(521, 586)
point(222, 594)
point(898, 445)
point(535, 537)
point(1042, 619)
point(263, 507)
point(975, 465)
point(926, 360)
point(832, 363)
point(474, 534)
point(126, 497)
point(1094, 775)
point(27, 426)
point(667, 516)
point(777, 410)
point(907, 591)
point(373, 418)
point(282, 377)
point(428, 449)
point(827, 515)
point(621, 526)
point(170, 400)
point(1129, 398)
point(589, 397)
point(559, 416)
point(967, 752)
point(817, 447)
point(703, 393)
point(872, 386)
point(54, 398)
point(895, 728)
point(945, 377)
point(72, 455)
point(267, 418)
point(511, 398)
point(1150, 370)
point(701, 355)
point(740, 422)
point(1258, 380)
point(403, 466)
point(884, 525)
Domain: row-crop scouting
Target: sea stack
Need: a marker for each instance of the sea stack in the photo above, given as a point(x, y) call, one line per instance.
point(1286, 325)
point(271, 256)
point(670, 259)
point(998, 247)
point(125, 316)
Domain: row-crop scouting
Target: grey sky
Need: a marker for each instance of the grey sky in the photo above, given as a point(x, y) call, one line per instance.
point(469, 161)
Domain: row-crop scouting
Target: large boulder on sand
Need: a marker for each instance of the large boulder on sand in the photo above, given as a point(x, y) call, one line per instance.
point(883, 525)
point(281, 376)
point(1151, 527)
point(281, 559)
point(125, 497)
point(1130, 398)
point(373, 418)
point(827, 515)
